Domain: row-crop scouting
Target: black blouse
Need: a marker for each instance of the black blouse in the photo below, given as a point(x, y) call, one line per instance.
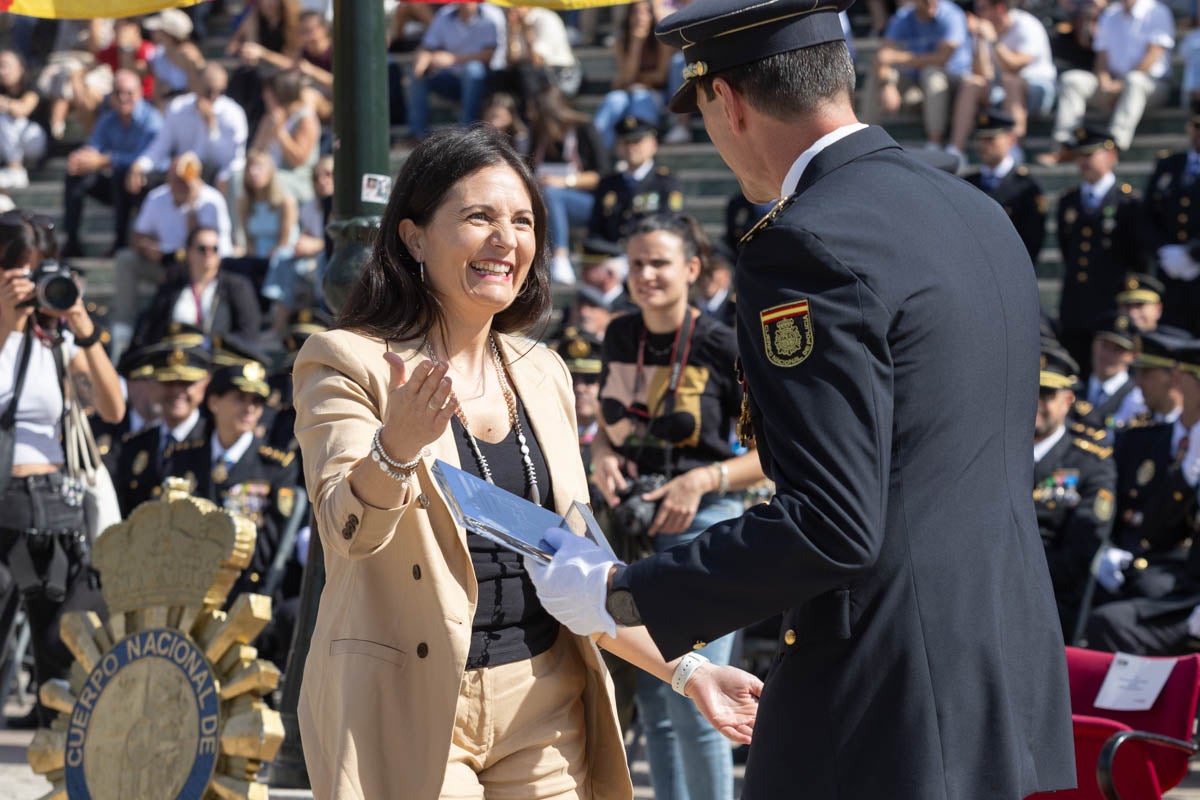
point(510, 624)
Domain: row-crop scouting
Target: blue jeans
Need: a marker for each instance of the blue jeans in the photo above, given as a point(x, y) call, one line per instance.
point(466, 84)
point(566, 208)
point(645, 104)
point(688, 759)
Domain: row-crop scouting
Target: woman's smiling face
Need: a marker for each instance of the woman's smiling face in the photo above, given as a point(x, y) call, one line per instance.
point(479, 245)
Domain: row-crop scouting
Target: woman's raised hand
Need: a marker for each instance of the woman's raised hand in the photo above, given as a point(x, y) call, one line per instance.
point(15, 288)
point(419, 407)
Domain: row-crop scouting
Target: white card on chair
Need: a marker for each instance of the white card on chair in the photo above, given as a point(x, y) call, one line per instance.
point(1133, 682)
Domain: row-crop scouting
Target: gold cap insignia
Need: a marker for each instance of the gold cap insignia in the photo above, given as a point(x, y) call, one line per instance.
point(696, 70)
point(253, 371)
point(177, 358)
point(579, 349)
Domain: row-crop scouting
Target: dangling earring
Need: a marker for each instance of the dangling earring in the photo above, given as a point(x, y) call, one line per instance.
point(422, 266)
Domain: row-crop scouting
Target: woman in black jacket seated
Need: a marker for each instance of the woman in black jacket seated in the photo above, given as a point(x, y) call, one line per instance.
point(216, 301)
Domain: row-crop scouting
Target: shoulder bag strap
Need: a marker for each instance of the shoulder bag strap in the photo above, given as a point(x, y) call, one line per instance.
point(9, 419)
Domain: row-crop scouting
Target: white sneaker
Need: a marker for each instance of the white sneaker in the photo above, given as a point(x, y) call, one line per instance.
point(18, 178)
point(679, 133)
point(561, 271)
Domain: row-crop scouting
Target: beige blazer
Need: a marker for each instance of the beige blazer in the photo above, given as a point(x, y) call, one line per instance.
point(390, 645)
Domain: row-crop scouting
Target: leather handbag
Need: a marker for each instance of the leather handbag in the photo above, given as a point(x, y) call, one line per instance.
point(8, 422)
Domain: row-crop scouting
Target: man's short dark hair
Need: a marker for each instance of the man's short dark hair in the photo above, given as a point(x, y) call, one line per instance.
point(793, 83)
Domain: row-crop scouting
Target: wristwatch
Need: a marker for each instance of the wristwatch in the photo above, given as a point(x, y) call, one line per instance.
point(619, 603)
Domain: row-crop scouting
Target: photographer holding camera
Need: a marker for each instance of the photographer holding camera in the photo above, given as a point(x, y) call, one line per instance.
point(43, 543)
point(669, 398)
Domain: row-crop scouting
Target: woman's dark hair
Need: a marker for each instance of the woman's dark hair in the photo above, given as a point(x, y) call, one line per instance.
point(391, 300)
point(551, 117)
point(25, 235)
point(695, 240)
point(625, 31)
point(287, 86)
point(504, 100)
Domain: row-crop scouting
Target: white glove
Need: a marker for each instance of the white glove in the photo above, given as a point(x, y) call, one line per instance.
point(573, 587)
point(1176, 262)
point(1191, 458)
point(1194, 623)
point(1110, 567)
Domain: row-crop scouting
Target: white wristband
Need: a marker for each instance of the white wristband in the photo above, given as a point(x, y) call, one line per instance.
point(686, 668)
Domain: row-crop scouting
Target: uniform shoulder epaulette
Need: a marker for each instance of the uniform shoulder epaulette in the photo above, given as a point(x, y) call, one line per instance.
point(663, 170)
point(767, 218)
point(1095, 434)
point(1093, 448)
point(278, 456)
point(1126, 188)
point(1136, 421)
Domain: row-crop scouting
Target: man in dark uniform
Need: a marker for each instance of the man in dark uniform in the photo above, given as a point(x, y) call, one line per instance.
point(142, 394)
point(1172, 231)
point(606, 268)
point(1074, 489)
point(1110, 395)
point(893, 407)
point(1149, 549)
point(282, 432)
point(1010, 185)
point(183, 375)
point(1167, 520)
point(1099, 235)
point(238, 471)
point(643, 188)
point(1140, 299)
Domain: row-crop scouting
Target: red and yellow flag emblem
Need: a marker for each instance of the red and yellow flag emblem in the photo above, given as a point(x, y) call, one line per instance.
point(787, 333)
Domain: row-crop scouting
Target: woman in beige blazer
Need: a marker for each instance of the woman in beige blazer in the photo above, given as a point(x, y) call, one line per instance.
point(434, 672)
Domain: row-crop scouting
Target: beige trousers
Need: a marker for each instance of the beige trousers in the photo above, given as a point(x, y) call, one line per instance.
point(933, 89)
point(520, 732)
point(1079, 90)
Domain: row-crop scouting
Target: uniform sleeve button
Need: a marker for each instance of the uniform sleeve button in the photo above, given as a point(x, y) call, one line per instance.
point(1141, 563)
point(416, 572)
point(699, 645)
point(789, 637)
point(422, 650)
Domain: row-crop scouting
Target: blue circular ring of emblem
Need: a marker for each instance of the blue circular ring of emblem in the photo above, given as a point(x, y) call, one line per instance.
point(169, 645)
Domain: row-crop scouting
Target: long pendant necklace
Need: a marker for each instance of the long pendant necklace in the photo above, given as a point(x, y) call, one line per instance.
point(514, 421)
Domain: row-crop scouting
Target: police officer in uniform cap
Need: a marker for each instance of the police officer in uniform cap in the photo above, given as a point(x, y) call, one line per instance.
point(1099, 236)
point(1159, 524)
point(1140, 299)
point(1074, 486)
point(643, 188)
point(605, 267)
point(1010, 185)
point(182, 374)
point(232, 350)
point(1111, 396)
point(143, 395)
point(893, 409)
point(240, 472)
point(281, 433)
point(1172, 213)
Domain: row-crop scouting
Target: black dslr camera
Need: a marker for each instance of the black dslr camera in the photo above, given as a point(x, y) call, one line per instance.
point(633, 516)
point(55, 288)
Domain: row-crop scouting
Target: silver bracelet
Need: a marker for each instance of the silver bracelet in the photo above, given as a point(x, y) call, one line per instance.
point(685, 670)
point(402, 471)
point(723, 483)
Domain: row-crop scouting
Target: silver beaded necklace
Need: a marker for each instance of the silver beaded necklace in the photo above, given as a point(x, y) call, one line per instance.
point(514, 420)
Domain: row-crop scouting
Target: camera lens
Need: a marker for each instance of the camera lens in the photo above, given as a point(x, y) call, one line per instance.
point(57, 292)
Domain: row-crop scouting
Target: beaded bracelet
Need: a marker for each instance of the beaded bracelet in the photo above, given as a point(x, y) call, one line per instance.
point(402, 471)
point(685, 670)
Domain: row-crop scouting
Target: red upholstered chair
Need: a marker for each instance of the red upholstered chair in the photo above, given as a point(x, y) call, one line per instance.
point(1129, 755)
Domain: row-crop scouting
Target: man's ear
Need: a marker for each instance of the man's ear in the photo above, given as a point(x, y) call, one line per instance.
point(412, 237)
point(733, 104)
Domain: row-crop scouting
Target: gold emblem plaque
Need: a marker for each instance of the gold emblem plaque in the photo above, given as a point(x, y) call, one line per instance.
point(165, 699)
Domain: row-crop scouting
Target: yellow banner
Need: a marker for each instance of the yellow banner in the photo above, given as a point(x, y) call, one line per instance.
point(87, 9)
point(557, 5)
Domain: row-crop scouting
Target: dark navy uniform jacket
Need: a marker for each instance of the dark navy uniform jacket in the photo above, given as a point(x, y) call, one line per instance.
point(619, 199)
point(1155, 513)
point(141, 463)
point(1074, 492)
point(1099, 246)
point(1172, 216)
point(1021, 197)
point(891, 350)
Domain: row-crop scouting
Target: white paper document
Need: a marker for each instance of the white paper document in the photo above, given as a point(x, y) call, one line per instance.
point(506, 519)
point(1133, 682)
